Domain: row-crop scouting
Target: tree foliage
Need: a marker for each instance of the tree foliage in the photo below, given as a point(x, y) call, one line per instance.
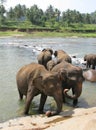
point(35, 15)
point(51, 17)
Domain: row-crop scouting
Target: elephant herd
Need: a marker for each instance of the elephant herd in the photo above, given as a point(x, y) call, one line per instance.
point(54, 78)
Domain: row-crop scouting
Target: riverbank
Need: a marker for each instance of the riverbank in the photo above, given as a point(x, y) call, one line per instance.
point(45, 34)
point(79, 118)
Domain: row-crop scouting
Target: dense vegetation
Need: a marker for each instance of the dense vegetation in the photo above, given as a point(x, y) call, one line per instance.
point(31, 19)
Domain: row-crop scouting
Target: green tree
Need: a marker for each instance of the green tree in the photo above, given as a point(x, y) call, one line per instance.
point(35, 15)
point(72, 16)
point(11, 14)
point(93, 17)
point(57, 14)
point(20, 12)
point(2, 11)
point(88, 18)
point(66, 17)
point(50, 12)
point(52, 16)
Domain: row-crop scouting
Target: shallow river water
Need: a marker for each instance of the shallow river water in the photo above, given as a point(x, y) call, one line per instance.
point(16, 52)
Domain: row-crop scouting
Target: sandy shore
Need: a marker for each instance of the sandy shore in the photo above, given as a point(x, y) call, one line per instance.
point(78, 119)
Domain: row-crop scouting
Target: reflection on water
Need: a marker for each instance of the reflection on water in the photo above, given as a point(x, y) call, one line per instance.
point(16, 52)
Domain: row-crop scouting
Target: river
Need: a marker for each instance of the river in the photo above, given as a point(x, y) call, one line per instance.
point(17, 51)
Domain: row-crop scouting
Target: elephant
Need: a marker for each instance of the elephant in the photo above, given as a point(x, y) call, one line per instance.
point(33, 79)
point(62, 55)
point(90, 75)
point(50, 64)
point(45, 56)
point(72, 78)
point(90, 60)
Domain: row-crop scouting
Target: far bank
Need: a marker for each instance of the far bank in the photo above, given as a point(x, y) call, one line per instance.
point(46, 34)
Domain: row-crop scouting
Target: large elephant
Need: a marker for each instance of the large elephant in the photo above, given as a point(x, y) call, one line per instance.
point(90, 75)
point(45, 56)
point(72, 79)
point(34, 79)
point(90, 60)
point(62, 56)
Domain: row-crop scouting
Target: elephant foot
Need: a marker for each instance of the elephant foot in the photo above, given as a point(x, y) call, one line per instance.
point(26, 113)
point(41, 112)
point(75, 102)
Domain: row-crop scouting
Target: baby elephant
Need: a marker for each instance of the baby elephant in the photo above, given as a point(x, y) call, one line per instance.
point(34, 79)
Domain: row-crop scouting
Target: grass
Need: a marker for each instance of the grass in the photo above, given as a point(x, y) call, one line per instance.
point(46, 34)
point(74, 30)
point(10, 33)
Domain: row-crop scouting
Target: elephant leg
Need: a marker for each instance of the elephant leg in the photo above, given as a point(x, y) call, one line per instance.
point(30, 95)
point(42, 102)
point(93, 66)
point(86, 64)
point(20, 95)
point(75, 101)
point(63, 97)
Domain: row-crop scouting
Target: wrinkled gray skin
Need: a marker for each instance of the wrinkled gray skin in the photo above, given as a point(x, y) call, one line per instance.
point(45, 56)
point(50, 64)
point(34, 79)
point(62, 56)
point(72, 78)
point(90, 60)
point(90, 75)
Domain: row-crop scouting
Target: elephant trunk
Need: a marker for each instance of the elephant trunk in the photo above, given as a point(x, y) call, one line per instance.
point(77, 91)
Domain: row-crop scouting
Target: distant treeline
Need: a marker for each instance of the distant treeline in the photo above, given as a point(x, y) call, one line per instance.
point(34, 18)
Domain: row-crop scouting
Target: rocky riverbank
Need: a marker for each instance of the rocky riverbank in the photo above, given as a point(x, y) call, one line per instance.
point(77, 119)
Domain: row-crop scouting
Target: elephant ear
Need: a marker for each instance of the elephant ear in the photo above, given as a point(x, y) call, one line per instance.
point(43, 50)
point(51, 51)
point(55, 53)
point(37, 82)
point(85, 57)
point(62, 74)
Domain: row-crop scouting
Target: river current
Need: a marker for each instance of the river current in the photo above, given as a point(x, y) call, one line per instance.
point(16, 52)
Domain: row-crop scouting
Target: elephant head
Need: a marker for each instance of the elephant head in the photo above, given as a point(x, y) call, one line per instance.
point(62, 56)
point(45, 56)
point(48, 49)
point(59, 52)
point(72, 78)
point(34, 79)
